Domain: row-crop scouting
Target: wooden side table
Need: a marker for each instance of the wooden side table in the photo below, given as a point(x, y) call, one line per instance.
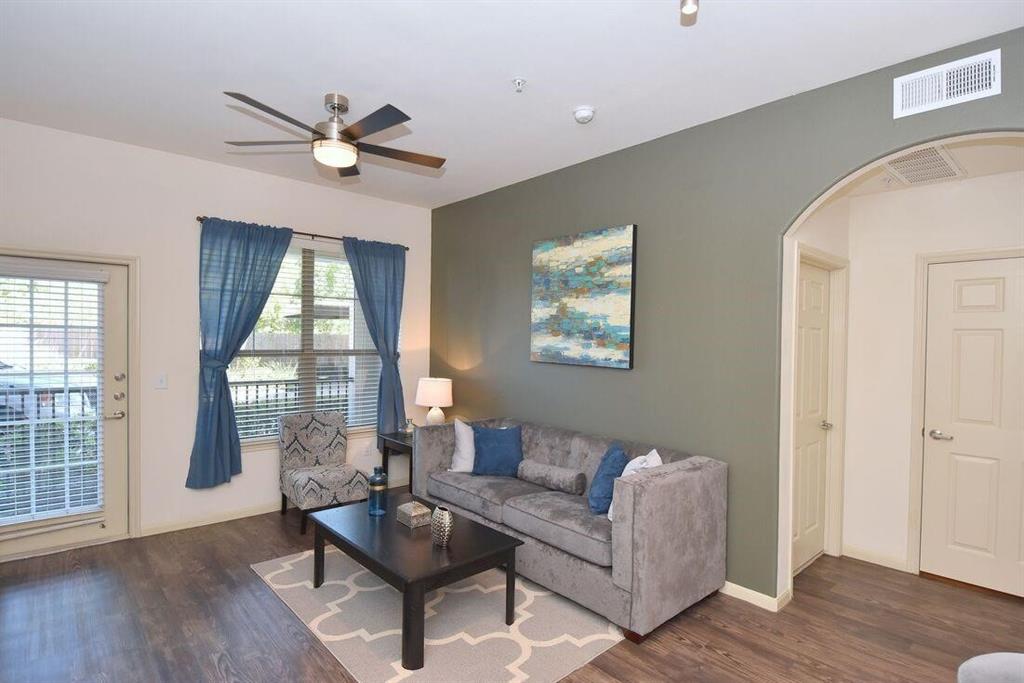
point(395, 443)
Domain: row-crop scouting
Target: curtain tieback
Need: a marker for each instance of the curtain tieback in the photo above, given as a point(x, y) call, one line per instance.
point(208, 362)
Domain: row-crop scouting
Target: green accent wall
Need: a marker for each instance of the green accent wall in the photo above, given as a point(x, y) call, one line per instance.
point(711, 204)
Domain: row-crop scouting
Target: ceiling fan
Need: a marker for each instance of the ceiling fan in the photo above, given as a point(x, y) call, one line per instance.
point(337, 145)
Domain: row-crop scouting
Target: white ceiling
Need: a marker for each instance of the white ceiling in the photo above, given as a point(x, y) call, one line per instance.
point(151, 73)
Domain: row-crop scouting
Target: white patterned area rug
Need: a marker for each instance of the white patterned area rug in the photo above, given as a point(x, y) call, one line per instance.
point(358, 618)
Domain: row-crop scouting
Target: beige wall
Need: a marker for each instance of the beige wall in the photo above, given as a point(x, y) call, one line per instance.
point(887, 232)
point(828, 228)
point(64, 192)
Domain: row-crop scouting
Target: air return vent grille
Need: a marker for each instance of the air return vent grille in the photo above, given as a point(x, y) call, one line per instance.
point(947, 84)
point(925, 165)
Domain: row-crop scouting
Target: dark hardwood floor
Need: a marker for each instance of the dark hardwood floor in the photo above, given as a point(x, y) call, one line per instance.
point(184, 606)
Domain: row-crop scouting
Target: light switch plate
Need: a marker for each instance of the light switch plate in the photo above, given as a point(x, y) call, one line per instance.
point(161, 380)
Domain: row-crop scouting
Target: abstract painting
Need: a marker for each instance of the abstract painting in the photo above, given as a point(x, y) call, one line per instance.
point(582, 307)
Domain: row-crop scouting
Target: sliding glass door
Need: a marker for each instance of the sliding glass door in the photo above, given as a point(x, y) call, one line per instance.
point(63, 404)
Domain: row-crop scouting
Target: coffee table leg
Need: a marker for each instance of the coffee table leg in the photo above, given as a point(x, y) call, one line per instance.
point(510, 588)
point(318, 556)
point(412, 627)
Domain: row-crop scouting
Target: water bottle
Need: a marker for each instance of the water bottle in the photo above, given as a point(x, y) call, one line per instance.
point(378, 503)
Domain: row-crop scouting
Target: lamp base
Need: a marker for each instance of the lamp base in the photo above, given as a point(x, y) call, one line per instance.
point(435, 416)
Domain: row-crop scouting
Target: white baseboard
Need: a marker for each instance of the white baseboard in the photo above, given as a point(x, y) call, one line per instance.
point(61, 548)
point(875, 558)
point(772, 604)
point(225, 517)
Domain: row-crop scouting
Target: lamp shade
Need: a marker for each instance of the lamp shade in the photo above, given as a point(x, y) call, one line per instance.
point(434, 392)
point(335, 153)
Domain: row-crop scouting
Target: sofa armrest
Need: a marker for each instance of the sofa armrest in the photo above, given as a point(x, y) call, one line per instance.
point(668, 537)
point(433, 447)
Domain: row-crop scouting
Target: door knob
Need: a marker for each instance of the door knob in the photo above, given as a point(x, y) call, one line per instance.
point(117, 415)
point(826, 425)
point(939, 436)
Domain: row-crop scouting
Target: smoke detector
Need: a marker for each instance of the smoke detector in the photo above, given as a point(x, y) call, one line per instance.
point(584, 114)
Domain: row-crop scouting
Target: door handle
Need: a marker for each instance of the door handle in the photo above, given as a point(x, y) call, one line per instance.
point(117, 415)
point(939, 436)
point(826, 425)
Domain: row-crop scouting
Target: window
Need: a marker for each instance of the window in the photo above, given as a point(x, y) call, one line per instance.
point(310, 349)
point(51, 357)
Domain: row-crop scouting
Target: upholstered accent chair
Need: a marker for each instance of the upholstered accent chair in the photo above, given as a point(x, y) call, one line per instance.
point(314, 474)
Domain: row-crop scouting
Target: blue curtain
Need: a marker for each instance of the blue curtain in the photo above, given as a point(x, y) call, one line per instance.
point(378, 270)
point(238, 264)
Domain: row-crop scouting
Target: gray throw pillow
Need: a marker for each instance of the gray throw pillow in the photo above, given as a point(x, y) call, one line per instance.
point(553, 477)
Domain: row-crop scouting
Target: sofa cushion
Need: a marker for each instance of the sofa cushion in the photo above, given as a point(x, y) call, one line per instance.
point(588, 451)
point(549, 445)
point(465, 449)
point(314, 487)
point(612, 464)
point(553, 477)
point(563, 521)
point(481, 494)
point(498, 452)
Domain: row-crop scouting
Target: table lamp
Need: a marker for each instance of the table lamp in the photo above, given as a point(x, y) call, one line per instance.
point(434, 393)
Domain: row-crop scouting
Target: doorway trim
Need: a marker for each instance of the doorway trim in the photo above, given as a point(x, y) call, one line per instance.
point(838, 280)
point(914, 521)
point(134, 393)
point(838, 287)
point(789, 267)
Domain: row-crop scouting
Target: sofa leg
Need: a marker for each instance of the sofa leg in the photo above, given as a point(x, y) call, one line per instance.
point(634, 637)
point(284, 504)
point(303, 527)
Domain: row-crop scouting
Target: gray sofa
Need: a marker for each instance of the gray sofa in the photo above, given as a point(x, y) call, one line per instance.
point(663, 551)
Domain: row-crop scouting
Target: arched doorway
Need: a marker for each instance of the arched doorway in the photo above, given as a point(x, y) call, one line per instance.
point(983, 155)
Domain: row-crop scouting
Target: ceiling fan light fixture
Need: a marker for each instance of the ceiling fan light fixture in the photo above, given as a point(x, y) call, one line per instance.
point(335, 153)
point(689, 7)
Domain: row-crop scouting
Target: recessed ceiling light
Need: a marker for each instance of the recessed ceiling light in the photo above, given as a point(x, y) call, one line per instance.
point(689, 6)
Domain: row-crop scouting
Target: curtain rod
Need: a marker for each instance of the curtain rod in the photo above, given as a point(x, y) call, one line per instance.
point(311, 235)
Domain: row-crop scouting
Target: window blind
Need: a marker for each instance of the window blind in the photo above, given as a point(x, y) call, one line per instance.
point(310, 349)
point(51, 370)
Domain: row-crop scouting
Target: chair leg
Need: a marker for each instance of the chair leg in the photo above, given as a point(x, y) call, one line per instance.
point(303, 528)
point(284, 504)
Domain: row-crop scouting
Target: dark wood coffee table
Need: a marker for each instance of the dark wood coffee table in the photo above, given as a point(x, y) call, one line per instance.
point(408, 560)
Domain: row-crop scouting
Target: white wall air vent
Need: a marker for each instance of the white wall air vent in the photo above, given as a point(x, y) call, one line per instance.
point(925, 165)
point(947, 84)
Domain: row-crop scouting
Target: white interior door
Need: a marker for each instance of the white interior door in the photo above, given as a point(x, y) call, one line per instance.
point(63, 404)
point(973, 473)
point(811, 415)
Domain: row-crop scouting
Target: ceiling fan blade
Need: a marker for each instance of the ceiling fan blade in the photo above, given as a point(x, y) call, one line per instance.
point(385, 117)
point(256, 143)
point(273, 112)
point(348, 171)
point(401, 155)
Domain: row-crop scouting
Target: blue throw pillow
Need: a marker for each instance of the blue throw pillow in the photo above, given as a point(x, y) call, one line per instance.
point(600, 497)
point(498, 451)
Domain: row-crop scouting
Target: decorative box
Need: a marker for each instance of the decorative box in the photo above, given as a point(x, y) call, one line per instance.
point(413, 514)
